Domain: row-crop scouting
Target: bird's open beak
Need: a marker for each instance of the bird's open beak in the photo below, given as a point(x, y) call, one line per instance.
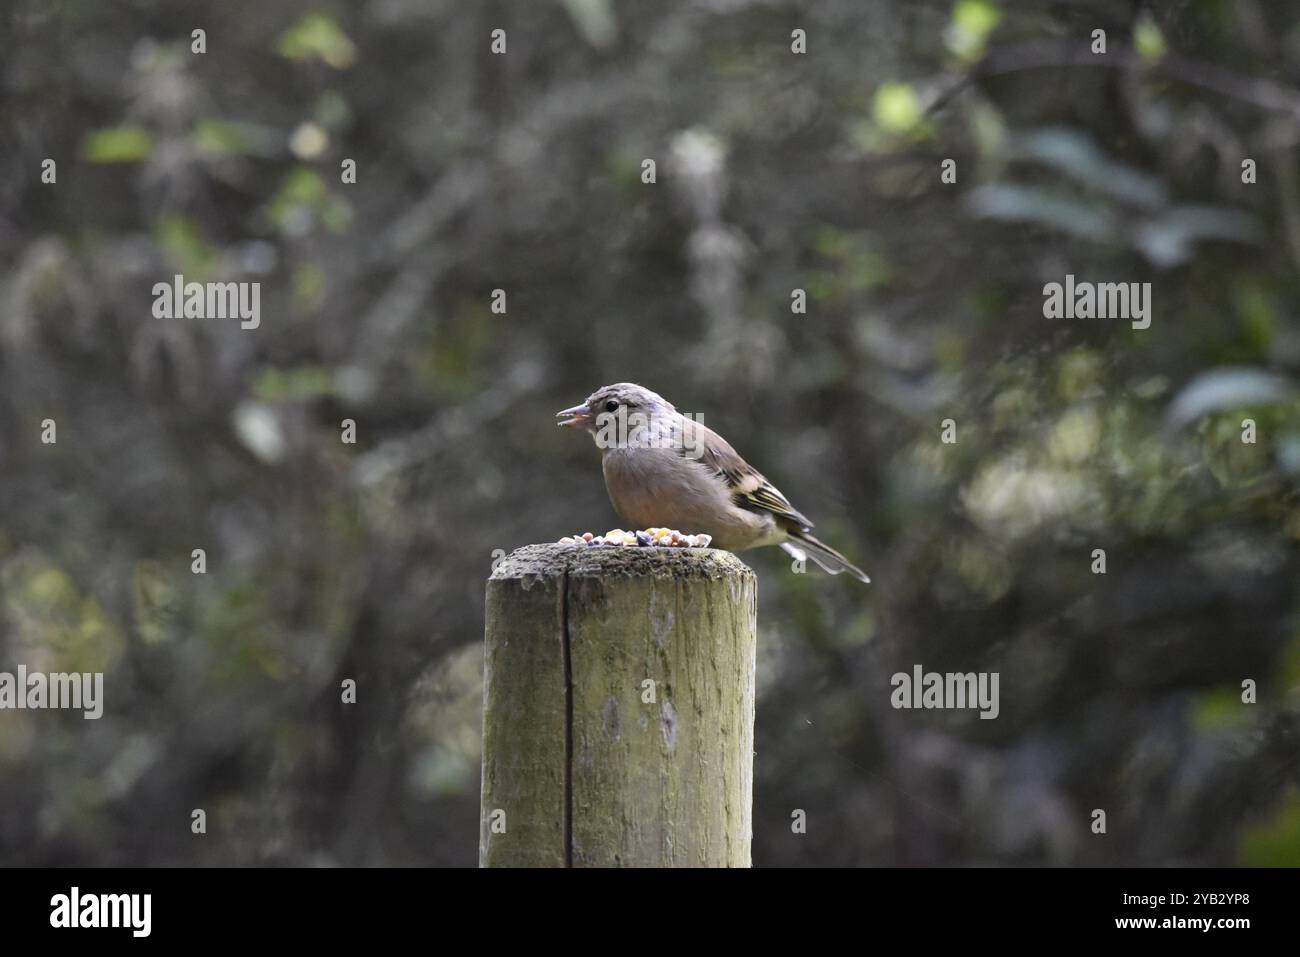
point(577, 417)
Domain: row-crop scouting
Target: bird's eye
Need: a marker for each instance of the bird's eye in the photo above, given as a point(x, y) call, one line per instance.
point(611, 405)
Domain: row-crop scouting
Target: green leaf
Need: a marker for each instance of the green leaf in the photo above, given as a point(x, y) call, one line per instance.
point(1148, 40)
point(217, 137)
point(1168, 240)
point(309, 286)
point(1274, 842)
point(1077, 156)
point(1221, 709)
point(303, 382)
point(119, 144)
point(897, 108)
point(594, 20)
point(972, 23)
point(304, 200)
point(1225, 388)
point(1257, 314)
point(317, 37)
point(185, 246)
point(1032, 205)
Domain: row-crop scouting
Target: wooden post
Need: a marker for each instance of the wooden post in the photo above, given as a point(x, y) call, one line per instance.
point(618, 712)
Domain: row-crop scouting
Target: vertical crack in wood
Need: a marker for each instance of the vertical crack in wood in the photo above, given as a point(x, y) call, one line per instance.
point(565, 653)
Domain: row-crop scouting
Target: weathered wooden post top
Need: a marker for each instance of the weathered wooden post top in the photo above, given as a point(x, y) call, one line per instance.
point(618, 715)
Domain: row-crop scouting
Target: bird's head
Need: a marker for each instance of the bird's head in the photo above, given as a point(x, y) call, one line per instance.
point(622, 399)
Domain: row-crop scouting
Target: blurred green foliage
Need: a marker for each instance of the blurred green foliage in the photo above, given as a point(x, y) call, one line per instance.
point(776, 171)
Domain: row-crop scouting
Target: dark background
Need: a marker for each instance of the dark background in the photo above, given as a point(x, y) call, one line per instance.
point(776, 171)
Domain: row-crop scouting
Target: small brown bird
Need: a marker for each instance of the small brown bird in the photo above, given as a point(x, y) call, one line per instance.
point(664, 469)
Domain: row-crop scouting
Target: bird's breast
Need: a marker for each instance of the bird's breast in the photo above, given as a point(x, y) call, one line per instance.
point(660, 487)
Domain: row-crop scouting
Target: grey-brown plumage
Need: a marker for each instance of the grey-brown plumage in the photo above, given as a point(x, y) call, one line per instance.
point(664, 469)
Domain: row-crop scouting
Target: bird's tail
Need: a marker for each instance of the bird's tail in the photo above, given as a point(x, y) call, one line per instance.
point(802, 545)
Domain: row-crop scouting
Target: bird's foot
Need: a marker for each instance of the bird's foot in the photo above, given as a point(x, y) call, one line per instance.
point(644, 538)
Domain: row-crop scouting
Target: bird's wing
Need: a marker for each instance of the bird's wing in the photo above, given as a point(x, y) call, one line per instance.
point(749, 489)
